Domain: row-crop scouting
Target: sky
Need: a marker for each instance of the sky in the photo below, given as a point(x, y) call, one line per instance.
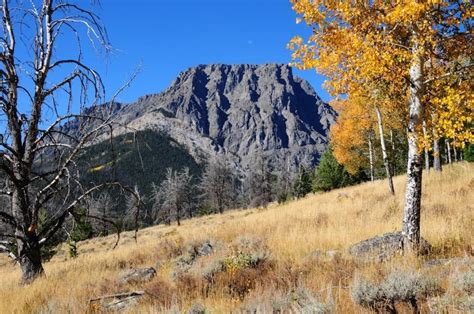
point(165, 37)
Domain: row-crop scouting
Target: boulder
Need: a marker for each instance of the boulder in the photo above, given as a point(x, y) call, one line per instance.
point(138, 275)
point(116, 302)
point(383, 247)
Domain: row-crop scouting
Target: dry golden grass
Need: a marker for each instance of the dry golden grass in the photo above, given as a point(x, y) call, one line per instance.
point(327, 221)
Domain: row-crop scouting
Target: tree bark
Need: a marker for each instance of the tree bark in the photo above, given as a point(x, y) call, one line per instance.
point(455, 153)
point(411, 213)
point(448, 151)
point(28, 247)
point(427, 154)
point(437, 156)
point(386, 161)
point(448, 148)
point(30, 258)
point(371, 156)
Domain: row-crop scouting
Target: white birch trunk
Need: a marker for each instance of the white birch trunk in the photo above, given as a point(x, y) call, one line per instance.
point(448, 150)
point(411, 213)
point(386, 161)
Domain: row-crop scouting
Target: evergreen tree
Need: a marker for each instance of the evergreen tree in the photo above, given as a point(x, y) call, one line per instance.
point(304, 183)
point(330, 174)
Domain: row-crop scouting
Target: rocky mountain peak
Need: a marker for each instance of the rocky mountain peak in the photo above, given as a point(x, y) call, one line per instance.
point(243, 111)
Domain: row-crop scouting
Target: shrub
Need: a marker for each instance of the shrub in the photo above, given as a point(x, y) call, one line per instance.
point(248, 251)
point(197, 308)
point(464, 282)
point(408, 287)
point(298, 300)
point(468, 152)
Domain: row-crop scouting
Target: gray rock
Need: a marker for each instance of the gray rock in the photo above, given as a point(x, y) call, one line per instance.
point(205, 249)
point(117, 302)
point(383, 247)
point(241, 112)
point(455, 261)
point(138, 275)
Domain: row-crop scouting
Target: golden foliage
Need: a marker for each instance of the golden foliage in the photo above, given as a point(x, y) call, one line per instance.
point(367, 49)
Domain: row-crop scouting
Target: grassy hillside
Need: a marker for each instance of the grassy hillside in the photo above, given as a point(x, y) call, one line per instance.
point(285, 237)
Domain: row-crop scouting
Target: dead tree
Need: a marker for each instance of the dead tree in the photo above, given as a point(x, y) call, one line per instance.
point(43, 91)
point(174, 196)
point(218, 185)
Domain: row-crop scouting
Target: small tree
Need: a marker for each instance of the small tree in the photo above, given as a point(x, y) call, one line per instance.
point(330, 174)
point(304, 182)
point(175, 195)
point(101, 206)
point(261, 184)
point(218, 184)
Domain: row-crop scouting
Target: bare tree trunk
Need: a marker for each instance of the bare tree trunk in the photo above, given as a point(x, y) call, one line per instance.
point(448, 151)
point(28, 248)
point(437, 156)
point(427, 154)
point(30, 258)
point(411, 212)
point(386, 161)
point(371, 155)
point(455, 153)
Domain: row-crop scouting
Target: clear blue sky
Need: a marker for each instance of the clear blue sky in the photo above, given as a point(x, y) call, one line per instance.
point(168, 36)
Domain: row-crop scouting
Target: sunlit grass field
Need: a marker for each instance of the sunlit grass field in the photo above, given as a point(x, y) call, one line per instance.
point(292, 232)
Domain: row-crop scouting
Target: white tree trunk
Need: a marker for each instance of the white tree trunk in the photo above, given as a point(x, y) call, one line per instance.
point(448, 150)
point(455, 153)
point(411, 212)
point(386, 161)
point(371, 156)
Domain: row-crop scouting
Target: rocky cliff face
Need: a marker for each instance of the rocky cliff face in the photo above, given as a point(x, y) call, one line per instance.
point(244, 112)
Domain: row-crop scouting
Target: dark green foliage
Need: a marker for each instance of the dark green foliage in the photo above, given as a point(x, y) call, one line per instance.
point(304, 183)
point(468, 152)
point(141, 159)
point(331, 175)
point(81, 228)
point(282, 198)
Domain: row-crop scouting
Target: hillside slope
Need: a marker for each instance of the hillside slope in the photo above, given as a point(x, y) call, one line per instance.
point(293, 234)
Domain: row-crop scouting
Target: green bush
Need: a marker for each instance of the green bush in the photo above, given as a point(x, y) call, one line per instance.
point(468, 152)
point(331, 175)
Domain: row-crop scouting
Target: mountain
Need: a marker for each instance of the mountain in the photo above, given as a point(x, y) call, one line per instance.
point(243, 112)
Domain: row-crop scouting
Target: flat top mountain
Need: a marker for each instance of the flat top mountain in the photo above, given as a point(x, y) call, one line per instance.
point(244, 112)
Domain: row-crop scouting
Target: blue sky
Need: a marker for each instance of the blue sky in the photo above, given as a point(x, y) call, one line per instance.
point(167, 36)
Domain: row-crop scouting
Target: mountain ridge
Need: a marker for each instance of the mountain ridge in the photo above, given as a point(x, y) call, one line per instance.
point(242, 112)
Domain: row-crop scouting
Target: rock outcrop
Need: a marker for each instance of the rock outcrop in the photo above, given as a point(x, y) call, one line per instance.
point(244, 112)
point(383, 247)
